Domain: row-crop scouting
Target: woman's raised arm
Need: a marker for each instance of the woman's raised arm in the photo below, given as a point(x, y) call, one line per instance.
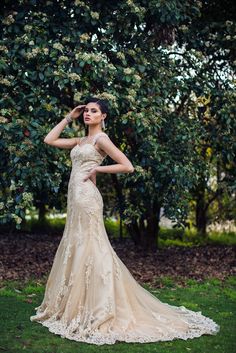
point(52, 137)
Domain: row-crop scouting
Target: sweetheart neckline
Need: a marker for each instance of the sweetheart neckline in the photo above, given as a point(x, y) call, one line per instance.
point(92, 146)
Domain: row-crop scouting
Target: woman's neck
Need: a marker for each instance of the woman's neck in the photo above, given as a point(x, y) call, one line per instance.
point(93, 133)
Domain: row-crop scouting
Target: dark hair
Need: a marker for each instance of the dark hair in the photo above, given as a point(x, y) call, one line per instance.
point(103, 104)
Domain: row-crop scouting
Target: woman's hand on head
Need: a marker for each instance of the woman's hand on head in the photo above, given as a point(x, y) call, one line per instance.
point(77, 111)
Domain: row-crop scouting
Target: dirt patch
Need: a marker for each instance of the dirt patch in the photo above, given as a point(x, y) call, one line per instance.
point(24, 256)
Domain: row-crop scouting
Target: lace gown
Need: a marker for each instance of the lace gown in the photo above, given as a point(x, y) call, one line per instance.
point(90, 294)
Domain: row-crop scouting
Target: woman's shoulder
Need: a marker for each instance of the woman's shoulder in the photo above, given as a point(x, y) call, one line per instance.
point(100, 136)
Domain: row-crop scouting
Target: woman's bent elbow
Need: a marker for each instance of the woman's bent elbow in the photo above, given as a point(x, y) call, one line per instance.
point(46, 140)
point(130, 169)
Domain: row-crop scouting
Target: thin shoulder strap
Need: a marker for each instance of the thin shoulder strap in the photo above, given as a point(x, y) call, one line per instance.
point(79, 140)
point(97, 136)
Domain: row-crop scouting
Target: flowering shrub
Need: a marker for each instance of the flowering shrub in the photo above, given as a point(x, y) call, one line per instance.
point(141, 56)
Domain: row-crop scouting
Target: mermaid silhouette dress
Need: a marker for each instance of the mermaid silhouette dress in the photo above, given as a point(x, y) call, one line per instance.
point(90, 295)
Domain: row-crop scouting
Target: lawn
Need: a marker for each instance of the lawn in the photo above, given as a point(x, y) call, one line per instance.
point(216, 299)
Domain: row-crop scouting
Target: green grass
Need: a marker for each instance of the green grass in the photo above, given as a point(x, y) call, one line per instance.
point(190, 237)
point(167, 237)
point(214, 298)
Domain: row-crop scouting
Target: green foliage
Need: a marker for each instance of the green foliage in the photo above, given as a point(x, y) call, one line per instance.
point(152, 61)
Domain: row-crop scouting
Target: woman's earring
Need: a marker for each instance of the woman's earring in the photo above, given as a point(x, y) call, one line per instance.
point(103, 124)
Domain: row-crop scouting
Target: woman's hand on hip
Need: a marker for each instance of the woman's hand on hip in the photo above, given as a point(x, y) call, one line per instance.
point(91, 175)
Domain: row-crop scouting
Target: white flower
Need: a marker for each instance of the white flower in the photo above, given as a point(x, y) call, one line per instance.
point(111, 67)
point(8, 20)
point(58, 46)
point(65, 39)
point(5, 82)
point(13, 186)
point(17, 219)
point(3, 120)
point(136, 9)
point(27, 196)
point(97, 57)
point(95, 15)
point(131, 52)
point(33, 53)
point(132, 93)
point(63, 58)
point(107, 96)
point(120, 55)
point(130, 98)
point(77, 96)
point(140, 170)
point(3, 48)
point(79, 3)
point(127, 71)
point(27, 28)
point(137, 77)
point(74, 77)
point(84, 37)
point(198, 54)
point(183, 28)
point(31, 42)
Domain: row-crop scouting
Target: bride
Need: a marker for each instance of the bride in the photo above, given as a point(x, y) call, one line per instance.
point(90, 295)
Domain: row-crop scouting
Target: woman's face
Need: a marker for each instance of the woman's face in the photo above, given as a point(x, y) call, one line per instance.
point(92, 114)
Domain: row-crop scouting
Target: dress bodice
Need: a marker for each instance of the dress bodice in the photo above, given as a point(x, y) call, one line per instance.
point(85, 156)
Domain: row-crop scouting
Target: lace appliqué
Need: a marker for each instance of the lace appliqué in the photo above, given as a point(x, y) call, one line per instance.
point(109, 306)
point(88, 270)
point(68, 254)
point(81, 329)
point(117, 265)
point(106, 277)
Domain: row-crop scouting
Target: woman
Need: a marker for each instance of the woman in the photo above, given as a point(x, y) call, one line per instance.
point(90, 294)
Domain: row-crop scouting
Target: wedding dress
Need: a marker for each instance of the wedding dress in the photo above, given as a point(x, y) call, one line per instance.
point(90, 295)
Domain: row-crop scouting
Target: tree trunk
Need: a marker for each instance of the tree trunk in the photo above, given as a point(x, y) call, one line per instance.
point(121, 228)
point(145, 232)
point(151, 236)
point(42, 213)
point(201, 210)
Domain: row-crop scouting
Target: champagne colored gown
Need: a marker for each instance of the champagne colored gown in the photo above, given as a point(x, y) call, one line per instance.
point(90, 294)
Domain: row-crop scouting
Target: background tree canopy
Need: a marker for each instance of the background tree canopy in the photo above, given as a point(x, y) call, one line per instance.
point(166, 68)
